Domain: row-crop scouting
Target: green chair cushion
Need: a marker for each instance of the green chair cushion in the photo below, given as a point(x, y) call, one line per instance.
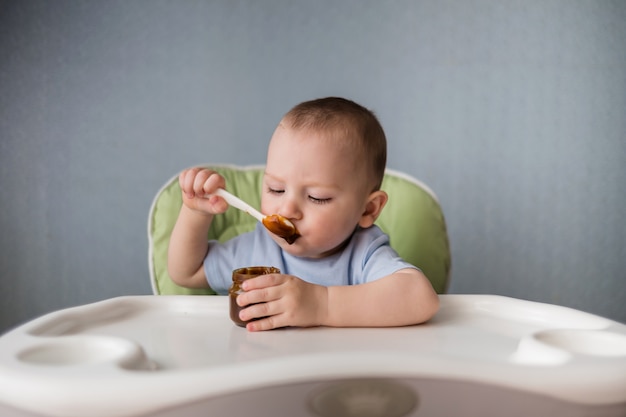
point(414, 221)
point(412, 218)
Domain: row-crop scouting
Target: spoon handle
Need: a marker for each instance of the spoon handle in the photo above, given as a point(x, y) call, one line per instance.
point(240, 204)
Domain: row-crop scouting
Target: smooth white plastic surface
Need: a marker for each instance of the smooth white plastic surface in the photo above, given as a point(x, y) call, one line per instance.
point(133, 356)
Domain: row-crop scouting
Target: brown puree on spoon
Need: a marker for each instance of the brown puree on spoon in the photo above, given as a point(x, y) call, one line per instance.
point(275, 223)
point(282, 227)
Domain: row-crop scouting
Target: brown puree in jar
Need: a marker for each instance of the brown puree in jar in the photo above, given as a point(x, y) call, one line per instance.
point(239, 276)
point(282, 227)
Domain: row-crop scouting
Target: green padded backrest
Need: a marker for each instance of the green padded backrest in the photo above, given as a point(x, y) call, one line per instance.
point(414, 221)
point(412, 218)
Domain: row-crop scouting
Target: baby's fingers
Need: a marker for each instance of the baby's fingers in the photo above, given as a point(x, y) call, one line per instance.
point(192, 181)
point(265, 316)
point(199, 181)
point(267, 323)
point(186, 179)
point(263, 281)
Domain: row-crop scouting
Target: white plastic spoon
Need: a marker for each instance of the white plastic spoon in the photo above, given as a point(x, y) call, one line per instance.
point(275, 223)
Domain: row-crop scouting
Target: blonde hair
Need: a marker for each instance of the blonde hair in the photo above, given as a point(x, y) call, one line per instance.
point(348, 121)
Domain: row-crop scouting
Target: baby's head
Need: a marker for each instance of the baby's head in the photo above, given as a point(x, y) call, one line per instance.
point(325, 165)
point(349, 125)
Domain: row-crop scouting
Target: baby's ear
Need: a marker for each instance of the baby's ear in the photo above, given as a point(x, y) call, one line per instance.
point(375, 203)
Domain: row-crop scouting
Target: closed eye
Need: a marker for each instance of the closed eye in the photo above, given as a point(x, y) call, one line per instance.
point(275, 191)
point(319, 200)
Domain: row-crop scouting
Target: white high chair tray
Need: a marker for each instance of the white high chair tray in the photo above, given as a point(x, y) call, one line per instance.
point(182, 356)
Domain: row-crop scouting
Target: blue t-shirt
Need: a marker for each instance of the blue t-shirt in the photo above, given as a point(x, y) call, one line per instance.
point(366, 258)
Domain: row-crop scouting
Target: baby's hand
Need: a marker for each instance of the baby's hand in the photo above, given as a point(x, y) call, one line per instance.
point(283, 300)
point(196, 184)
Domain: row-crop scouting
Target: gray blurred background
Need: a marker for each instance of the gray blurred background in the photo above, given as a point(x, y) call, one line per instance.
point(514, 112)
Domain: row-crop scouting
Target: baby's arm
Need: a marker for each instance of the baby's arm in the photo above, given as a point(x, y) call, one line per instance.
point(403, 298)
point(188, 242)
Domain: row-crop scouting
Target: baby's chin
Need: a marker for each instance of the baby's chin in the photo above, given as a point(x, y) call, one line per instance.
point(298, 248)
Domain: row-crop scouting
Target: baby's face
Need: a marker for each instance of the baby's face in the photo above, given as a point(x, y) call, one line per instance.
point(318, 185)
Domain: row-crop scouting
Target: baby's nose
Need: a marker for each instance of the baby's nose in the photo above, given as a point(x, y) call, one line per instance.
point(290, 208)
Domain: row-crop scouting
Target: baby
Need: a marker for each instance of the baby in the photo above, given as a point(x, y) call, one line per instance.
point(325, 164)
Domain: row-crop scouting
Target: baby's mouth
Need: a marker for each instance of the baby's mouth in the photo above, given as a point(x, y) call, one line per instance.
point(282, 227)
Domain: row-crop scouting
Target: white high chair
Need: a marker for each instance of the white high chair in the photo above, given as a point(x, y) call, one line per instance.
point(176, 355)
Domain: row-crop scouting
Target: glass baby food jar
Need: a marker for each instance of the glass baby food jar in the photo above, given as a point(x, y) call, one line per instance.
point(239, 276)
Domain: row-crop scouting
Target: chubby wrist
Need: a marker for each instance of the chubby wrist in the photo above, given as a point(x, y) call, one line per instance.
point(331, 306)
point(195, 215)
point(324, 306)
